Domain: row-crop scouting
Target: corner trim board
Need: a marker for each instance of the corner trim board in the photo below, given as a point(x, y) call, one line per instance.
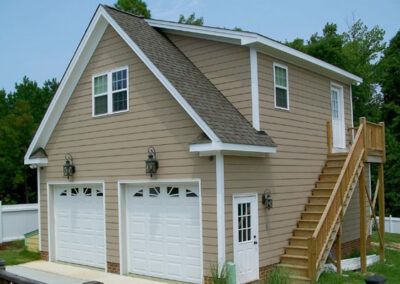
point(254, 89)
point(220, 182)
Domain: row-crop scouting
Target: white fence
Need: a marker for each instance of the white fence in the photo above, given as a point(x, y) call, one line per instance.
point(17, 220)
point(392, 224)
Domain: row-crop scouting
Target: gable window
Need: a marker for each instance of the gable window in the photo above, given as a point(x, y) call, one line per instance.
point(281, 86)
point(110, 92)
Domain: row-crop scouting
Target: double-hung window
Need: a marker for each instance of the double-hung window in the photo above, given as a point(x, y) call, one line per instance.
point(281, 86)
point(110, 92)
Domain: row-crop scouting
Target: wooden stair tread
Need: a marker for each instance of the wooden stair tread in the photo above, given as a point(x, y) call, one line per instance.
point(297, 277)
point(295, 256)
point(304, 229)
point(309, 221)
point(296, 247)
point(293, 266)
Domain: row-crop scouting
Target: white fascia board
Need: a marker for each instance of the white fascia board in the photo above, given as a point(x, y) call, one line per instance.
point(248, 39)
point(186, 106)
point(228, 148)
point(41, 162)
point(85, 50)
point(71, 77)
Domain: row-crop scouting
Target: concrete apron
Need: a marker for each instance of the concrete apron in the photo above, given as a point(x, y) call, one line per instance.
point(54, 273)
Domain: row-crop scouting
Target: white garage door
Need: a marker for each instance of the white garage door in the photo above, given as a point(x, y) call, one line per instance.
point(163, 227)
point(79, 224)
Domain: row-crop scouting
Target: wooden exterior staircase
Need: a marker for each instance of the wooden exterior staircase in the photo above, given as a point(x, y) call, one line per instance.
point(320, 223)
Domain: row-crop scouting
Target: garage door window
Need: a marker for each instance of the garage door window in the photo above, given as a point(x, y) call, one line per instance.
point(173, 191)
point(139, 193)
point(190, 193)
point(154, 191)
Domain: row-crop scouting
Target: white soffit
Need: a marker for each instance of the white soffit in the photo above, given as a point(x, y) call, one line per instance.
point(262, 44)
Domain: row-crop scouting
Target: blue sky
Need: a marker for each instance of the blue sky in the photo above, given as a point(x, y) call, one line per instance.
point(38, 38)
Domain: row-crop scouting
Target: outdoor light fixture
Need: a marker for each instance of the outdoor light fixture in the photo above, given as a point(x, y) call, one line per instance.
point(69, 168)
point(151, 162)
point(267, 200)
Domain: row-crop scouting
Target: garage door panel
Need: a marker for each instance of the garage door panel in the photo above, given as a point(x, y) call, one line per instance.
point(163, 228)
point(79, 225)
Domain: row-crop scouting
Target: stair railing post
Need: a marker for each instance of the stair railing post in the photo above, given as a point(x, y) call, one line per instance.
point(363, 121)
point(381, 213)
point(382, 124)
point(329, 135)
point(312, 265)
point(339, 249)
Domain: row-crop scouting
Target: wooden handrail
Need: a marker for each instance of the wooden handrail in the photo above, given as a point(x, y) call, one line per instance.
point(369, 137)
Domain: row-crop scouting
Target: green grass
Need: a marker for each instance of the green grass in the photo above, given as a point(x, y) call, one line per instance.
point(389, 238)
point(16, 253)
point(390, 269)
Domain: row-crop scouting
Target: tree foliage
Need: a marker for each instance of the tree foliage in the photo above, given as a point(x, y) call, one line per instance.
point(363, 52)
point(191, 20)
point(20, 114)
point(137, 7)
point(389, 80)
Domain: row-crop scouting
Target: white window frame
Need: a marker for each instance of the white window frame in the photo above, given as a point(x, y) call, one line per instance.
point(110, 92)
point(282, 87)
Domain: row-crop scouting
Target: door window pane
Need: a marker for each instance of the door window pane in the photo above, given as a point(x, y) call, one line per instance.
point(244, 222)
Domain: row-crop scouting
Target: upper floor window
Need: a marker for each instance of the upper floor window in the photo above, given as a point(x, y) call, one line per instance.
point(110, 92)
point(281, 86)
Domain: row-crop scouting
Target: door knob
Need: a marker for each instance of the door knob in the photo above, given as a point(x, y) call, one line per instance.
point(255, 240)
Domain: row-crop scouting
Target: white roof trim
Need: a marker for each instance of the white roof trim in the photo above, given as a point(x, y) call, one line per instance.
point(87, 46)
point(211, 149)
point(249, 38)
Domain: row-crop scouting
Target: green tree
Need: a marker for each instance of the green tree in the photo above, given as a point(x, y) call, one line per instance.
point(21, 112)
point(389, 73)
point(191, 20)
point(137, 7)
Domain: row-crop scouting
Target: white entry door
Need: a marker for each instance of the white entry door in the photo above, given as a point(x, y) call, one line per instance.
point(163, 231)
point(245, 236)
point(338, 125)
point(79, 224)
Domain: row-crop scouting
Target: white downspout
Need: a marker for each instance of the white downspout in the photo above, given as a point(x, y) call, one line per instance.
point(220, 182)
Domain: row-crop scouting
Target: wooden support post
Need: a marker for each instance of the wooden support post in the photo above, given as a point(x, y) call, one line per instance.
point(363, 240)
point(381, 213)
point(329, 135)
point(339, 251)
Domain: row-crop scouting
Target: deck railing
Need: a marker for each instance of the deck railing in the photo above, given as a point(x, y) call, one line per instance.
point(369, 137)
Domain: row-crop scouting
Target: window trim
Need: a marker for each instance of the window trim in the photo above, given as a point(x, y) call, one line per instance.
point(282, 87)
point(110, 92)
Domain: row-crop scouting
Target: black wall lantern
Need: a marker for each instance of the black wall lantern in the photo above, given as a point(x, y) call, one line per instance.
point(151, 162)
point(68, 168)
point(267, 200)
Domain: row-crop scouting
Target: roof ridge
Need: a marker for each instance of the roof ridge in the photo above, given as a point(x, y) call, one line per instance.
point(123, 11)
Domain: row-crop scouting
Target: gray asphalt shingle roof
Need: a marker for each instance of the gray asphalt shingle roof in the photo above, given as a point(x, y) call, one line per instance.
point(207, 101)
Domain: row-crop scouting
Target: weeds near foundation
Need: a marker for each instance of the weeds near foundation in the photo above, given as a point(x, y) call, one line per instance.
point(219, 276)
point(276, 276)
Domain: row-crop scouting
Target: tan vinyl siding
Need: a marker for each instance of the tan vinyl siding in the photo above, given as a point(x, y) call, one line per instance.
point(291, 173)
point(227, 66)
point(114, 147)
point(351, 220)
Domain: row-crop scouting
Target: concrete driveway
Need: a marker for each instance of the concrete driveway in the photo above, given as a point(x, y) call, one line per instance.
point(59, 273)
